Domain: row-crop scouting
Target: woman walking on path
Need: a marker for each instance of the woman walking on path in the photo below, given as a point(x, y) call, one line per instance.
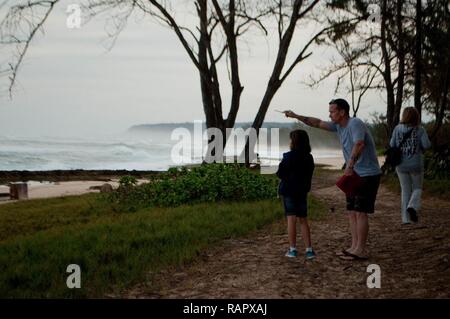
point(410, 170)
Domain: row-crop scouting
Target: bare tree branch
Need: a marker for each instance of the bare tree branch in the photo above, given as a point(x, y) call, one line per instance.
point(171, 22)
point(18, 16)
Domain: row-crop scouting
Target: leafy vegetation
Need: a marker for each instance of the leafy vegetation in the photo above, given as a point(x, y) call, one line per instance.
point(206, 183)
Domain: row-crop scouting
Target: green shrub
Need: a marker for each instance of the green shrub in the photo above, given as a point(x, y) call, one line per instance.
point(206, 183)
point(437, 164)
point(127, 181)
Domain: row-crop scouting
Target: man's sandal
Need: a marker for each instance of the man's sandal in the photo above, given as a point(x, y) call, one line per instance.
point(343, 252)
point(350, 256)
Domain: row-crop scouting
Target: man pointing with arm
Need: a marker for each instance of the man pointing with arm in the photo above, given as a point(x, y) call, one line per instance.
point(360, 158)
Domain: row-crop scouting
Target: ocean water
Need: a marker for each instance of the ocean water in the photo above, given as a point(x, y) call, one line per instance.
point(111, 153)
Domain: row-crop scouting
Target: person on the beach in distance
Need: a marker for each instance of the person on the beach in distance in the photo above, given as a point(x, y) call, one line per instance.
point(295, 171)
point(360, 158)
point(410, 170)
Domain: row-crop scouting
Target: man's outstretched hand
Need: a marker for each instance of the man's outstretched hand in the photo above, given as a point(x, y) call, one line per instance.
point(289, 113)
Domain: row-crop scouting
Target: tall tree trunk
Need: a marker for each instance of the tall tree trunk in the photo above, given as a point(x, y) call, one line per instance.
point(204, 71)
point(210, 97)
point(387, 75)
point(234, 66)
point(442, 106)
point(418, 59)
point(401, 65)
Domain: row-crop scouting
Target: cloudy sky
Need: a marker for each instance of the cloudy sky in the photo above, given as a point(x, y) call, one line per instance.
point(71, 85)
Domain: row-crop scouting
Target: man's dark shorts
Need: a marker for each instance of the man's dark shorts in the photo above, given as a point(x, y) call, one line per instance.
point(364, 201)
point(295, 206)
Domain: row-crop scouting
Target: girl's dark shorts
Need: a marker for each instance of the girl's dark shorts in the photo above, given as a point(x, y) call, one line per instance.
point(364, 201)
point(295, 206)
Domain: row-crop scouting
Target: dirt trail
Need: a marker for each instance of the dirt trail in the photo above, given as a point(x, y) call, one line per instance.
point(414, 260)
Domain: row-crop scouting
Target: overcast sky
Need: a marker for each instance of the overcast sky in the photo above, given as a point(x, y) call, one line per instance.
point(70, 85)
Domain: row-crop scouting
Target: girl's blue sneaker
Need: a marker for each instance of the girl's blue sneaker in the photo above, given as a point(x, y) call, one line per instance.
point(291, 253)
point(310, 254)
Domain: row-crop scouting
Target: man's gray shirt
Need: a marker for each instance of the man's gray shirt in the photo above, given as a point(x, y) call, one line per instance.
point(356, 130)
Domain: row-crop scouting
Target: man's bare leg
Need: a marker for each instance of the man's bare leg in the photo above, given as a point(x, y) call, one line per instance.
point(352, 216)
point(362, 221)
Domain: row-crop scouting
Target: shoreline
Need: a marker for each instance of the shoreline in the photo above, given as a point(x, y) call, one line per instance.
point(12, 176)
point(71, 175)
point(59, 183)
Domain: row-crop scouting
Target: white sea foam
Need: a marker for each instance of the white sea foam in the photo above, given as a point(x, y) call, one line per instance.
point(126, 152)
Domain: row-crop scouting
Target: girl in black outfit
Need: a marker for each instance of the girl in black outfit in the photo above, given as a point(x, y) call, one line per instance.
point(295, 171)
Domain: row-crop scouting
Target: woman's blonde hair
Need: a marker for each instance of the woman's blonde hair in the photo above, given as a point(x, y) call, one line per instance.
point(410, 116)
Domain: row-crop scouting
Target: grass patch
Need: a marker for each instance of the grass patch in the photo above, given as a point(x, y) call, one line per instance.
point(115, 250)
point(28, 217)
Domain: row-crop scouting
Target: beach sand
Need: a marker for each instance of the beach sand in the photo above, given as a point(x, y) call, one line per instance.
point(59, 189)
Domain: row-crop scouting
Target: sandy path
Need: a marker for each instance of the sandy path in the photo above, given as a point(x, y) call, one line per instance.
point(414, 260)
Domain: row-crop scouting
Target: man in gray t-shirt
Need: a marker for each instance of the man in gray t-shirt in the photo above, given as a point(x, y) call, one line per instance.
point(360, 158)
point(355, 130)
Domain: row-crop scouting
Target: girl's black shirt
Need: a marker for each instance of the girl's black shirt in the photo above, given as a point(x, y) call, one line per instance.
point(295, 171)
